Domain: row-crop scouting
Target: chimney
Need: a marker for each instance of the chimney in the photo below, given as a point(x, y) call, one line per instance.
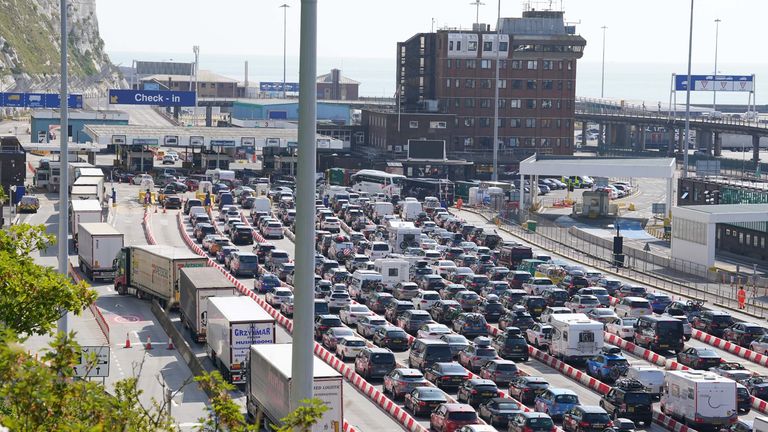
point(335, 84)
point(246, 74)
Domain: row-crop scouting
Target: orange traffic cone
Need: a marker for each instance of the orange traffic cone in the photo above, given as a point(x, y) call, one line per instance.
point(127, 341)
point(149, 343)
point(170, 344)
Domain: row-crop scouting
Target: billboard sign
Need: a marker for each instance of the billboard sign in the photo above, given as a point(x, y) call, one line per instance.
point(724, 83)
point(426, 149)
point(271, 86)
point(151, 97)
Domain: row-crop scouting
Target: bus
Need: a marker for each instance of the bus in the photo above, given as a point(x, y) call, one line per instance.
point(374, 182)
point(421, 188)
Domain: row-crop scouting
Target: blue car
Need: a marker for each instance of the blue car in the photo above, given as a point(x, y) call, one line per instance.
point(658, 301)
point(266, 283)
point(607, 366)
point(556, 401)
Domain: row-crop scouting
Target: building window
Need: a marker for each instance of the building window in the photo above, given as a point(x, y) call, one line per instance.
point(487, 46)
point(469, 121)
point(503, 46)
point(517, 64)
point(469, 83)
point(502, 64)
point(517, 84)
point(544, 142)
point(202, 85)
point(457, 103)
point(457, 82)
point(560, 65)
point(502, 84)
point(530, 103)
point(530, 84)
point(515, 103)
point(501, 123)
point(485, 103)
point(448, 83)
point(547, 64)
point(450, 46)
point(546, 123)
point(472, 46)
point(485, 64)
point(530, 122)
point(213, 85)
point(413, 124)
point(485, 83)
point(567, 123)
point(546, 84)
point(438, 125)
point(514, 142)
point(532, 65)
point(485, 122)
point(502, 103)
point(567, 142)
point(570, 65)
point(471, 64)
point(569, 85)
point(528, 142)
point(449, 63)
point(458, 46)
point(515, 123)
point(559, 104)
point(546, 103)
point(557, 123)
point(469, 103)
point(559, 85)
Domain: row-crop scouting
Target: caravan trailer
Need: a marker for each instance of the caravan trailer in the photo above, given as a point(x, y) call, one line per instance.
point(575, 337)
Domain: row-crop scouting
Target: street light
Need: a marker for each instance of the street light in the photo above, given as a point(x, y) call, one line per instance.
point(495, 174)
point(714, 90)
point(688, 98)
point(285, 20)
point(602, 78)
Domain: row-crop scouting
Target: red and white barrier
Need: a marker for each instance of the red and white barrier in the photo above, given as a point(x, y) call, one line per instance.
point(745, 353)
point(388, 405)
point(95, 310)
point(569, 371)
point(147, 229)
point(670, 424)
point(636, 350)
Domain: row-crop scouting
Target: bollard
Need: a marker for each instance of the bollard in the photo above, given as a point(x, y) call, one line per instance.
point(127, 341)
point(149, 343)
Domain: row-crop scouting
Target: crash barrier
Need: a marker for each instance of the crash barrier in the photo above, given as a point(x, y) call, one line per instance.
point(95, 310)
point(366, 388)
point(185, 351)
point(147, 229)
point(747, 354)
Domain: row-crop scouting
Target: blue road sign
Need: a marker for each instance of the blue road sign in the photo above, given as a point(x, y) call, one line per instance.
point(15, 100)
point(151, 86)
point(222, 143)
point(270, 86)
point(725, 83)
point(38, 100)
point(146, 141)
point(151, 97)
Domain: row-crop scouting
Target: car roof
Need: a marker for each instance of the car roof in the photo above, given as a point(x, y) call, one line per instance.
point(459, 407)
point(592, 409)
point(562, 391)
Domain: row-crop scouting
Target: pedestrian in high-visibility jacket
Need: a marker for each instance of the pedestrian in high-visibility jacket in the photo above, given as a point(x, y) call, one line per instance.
point(742, 298)
point(459, 203)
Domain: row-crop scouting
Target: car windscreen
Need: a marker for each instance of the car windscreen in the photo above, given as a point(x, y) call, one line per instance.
point(597, 418)
point(640, 398)
point(485, 352)
point(384, 358)
point(462, 415)
point(567, 399)
point(541, 423)
point(249, 259)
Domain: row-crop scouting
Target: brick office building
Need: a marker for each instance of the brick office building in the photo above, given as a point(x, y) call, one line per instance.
point(453, 71)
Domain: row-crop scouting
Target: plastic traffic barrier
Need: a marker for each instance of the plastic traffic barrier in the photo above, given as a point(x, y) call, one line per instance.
point(745, 353)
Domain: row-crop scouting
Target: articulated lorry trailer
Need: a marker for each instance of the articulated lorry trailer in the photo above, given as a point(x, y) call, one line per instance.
point(196, 286)
point(98, 245)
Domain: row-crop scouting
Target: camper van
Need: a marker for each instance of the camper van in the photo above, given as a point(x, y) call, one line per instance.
point(575, 337)
point(699, 398)
point(392, 271)
point(402, 235)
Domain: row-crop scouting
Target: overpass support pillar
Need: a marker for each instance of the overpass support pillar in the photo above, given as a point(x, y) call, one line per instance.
point(704, 141)
point(756, 148)
point(626, 131)
point(671, 145)
point(600, 140)
point(584, 134)
point(640, 140)
point(718, 144)
point(208, 116)
point(680, 140)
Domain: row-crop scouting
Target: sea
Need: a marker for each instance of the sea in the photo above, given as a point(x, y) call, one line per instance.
point(648, 82)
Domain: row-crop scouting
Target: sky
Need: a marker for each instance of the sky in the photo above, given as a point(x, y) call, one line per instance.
point(637, 31)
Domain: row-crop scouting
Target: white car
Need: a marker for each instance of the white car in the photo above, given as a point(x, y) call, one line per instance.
point(331, 224)
point(367, 325)
point(537, 285)
point(350, 314)
point(622, 327)
point(272, 229)
point(582, 303)
point(428, 243)
point(278, 296)
point(228, 211)
point(349, 347)
point(432, 331)
point(338, 300)
point(539, 334)
point(172, 154)
point(141, 177)
point(553, 310)
point(634, 307)
point(425, 299)
point(593, 276)
point(760, 345)
point(445, 268)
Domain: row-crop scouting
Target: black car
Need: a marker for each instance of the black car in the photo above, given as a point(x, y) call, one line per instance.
point(421, 401)
point(241, 235)
point(498, 411)
point(757, 386)
point(534, 304)
point(470, 324)
point(516, 318)
point(698, 358)
point(476, 391)
point(172, 202)
point(396, 308)
point(743, 399)
point(374, 362)
point(491, 309)
point(202, 230)
point(391, 337)
point(555, 297)
point(573, 283)
point(324, 322)
point(511, 346)
point(446, 375)
point(743, 333)
point(586, 418)
point(444, 310)
point(713, 322)
point(526, 388)
point(629, 399)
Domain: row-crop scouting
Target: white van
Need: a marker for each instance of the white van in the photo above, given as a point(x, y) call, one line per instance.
point(392, 271)
point(262, 204)
point(363, 283)
point(381, 209)
point(378, 250)
point(410, 210)
point(575, 337)
point(651, 377)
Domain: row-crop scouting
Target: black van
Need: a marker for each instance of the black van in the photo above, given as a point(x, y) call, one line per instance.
point(424, 352)
point(659, 333)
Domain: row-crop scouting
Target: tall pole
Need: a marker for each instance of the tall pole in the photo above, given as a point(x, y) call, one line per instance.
point(495, 173)
point(714, 89)
point(688, 97)
point(602, 75)
point(303, 340)
point(63, 324)
point(196, 50)
point(477, 4)
point(285, 7)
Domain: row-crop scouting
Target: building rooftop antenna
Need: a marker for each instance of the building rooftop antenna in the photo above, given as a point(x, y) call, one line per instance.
point(477, 4)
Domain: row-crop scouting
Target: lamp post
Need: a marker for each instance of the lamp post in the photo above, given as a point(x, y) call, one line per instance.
point(688, 98)
point(196, 50)
point(63, 232)
point(602, 74)
point(714, 90)
point(285, 7)
point(495, 173)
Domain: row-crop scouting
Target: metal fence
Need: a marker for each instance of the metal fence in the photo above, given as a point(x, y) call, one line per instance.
point(679, 277)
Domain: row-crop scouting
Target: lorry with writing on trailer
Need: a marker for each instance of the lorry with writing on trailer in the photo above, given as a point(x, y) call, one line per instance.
point(268, 387)
point(98, 244)
point(83, 211)
point(153, 271)
point(700, 399)
point(196, 286)
point(234, 324)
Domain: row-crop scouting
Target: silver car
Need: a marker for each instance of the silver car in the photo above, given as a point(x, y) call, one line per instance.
point(367, 325)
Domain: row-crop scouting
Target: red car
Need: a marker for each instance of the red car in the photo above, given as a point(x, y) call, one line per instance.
point(449, 417)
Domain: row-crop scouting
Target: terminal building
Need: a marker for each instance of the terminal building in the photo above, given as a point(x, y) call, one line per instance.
point(45, 123)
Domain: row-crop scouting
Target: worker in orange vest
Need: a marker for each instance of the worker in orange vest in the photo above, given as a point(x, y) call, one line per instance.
point(459, 203)
point(742, 297)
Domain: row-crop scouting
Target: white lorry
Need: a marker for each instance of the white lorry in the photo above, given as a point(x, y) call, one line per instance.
point(268, 387)
point(699, 398)
point(392, 271)
point(83, 211)
point(96, 182)
point(196, 286)
point(234, 324)
point(98, 245)
point(84, 192)
point(760, 424)
point(402, 235)
point(153, 271)
point(575, 337)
